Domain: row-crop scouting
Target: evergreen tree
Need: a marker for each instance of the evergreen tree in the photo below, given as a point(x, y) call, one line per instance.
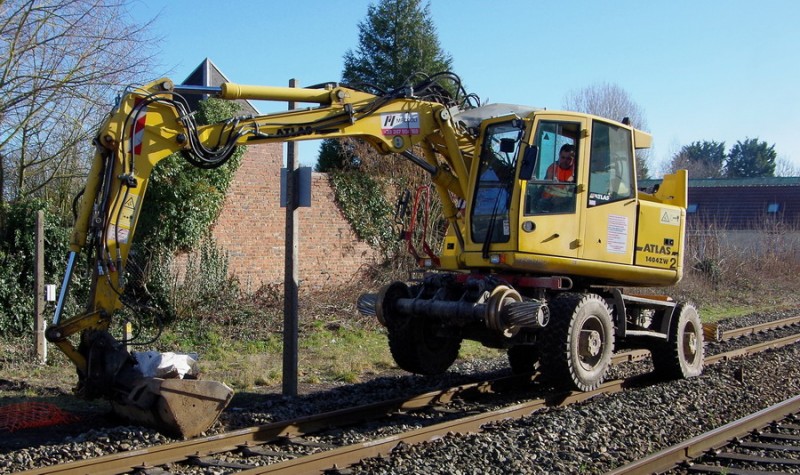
point(751, 158)
point(396, 43)
point(702, 159)
point(397, 47)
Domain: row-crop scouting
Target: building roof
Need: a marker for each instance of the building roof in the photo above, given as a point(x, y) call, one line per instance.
point(738, 182)
point(208, 74)
point(742, 203)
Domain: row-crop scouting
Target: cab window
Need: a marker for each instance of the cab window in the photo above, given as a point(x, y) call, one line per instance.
point(553, 186)
point(498, 162)
point(610, 164)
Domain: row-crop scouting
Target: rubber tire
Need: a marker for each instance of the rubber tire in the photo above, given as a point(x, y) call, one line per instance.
point(682, 355)
point(523, 359)
point(416, 349)
point(562, 360)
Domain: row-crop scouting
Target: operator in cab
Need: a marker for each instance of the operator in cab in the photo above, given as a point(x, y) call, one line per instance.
point(561, 197)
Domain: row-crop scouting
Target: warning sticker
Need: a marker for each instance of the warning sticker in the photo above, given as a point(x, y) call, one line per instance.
point(118, 235)
point(617, 239)
point(128, 210)
point(671, 217)
point(119, 229)
point(400, 123)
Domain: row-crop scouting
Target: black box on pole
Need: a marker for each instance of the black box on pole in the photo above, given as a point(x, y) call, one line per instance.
point(302, 187)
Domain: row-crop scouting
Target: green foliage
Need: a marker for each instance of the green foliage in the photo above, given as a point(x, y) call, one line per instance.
point(751, 158)
point(207, 284)
point(17, 262)
point(704, 159)
point(333, 155)
point(396, 41)
point(183, 200)
point(181, 204)
point(362, 201)
point(710, 153)
point(205, 289)
point(708, 159)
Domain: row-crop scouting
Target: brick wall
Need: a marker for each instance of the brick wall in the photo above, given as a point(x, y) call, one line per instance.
point(251, 228)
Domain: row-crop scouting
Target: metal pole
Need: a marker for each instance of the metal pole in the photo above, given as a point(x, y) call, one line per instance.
point(38, 326)
point(62, 294)
point(290, 302)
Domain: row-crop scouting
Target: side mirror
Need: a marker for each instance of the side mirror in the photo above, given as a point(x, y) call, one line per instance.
point(528, 162)
point(508, 145)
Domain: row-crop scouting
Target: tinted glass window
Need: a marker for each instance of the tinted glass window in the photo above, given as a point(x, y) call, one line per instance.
point(610, 164)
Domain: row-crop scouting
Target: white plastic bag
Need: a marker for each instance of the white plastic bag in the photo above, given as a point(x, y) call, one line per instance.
point(153, 364)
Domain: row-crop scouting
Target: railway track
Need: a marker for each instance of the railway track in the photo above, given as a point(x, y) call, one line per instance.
point(760, 443)
point(712, 332)
point(282, 448)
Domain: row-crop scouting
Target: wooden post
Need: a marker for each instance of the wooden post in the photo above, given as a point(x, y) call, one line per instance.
point(290, 280)
point(40, 343)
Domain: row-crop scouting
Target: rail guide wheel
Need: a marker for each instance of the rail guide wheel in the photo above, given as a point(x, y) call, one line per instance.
point(414, 340)
point(523, 359)
point(579, 341)
point(681, 356)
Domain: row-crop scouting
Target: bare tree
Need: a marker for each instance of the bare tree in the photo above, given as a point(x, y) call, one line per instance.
point(612, 102)
point(60, 62)
point(785, 167)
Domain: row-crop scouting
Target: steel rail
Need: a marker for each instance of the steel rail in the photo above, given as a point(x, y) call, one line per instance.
point(712, 332)
point(752, 349)
point(751, 330)
point(202, 447)
point(348, 455)
point(714, 439)
point(199, 447)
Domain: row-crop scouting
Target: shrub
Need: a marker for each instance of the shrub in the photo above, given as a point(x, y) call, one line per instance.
point(17, 262)
point(362, 202)
point(751, 267)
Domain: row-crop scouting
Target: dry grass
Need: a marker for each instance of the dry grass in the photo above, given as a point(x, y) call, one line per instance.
point(731, 273)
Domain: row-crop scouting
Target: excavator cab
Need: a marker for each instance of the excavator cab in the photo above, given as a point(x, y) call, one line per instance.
point(555, 193)
point(597, 189)
point(554, 222)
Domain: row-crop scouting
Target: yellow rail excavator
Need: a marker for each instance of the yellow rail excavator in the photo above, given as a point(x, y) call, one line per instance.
point(545, 227)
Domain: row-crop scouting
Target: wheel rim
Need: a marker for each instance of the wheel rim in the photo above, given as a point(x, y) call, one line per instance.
point(689, 343)
point(591, 344)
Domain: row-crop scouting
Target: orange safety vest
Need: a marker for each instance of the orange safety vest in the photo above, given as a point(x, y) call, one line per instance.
point(559, 174)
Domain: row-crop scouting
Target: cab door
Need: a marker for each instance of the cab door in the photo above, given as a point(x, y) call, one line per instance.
point(610, 216)
point(551, 204)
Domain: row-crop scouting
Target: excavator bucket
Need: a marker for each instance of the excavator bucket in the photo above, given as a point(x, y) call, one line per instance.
point(181, 408)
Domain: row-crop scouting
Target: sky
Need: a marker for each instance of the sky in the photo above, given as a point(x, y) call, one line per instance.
point(700, 70)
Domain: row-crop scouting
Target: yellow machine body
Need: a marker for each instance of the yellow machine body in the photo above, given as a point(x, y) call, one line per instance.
point(488, 165)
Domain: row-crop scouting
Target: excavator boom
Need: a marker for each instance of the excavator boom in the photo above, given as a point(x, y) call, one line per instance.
point(148, 125)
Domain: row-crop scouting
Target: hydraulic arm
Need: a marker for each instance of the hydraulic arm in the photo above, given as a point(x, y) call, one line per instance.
point(153, 122)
